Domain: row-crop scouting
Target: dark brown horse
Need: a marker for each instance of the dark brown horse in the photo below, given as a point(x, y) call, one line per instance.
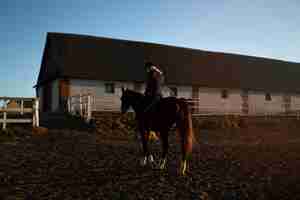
point(160, 118)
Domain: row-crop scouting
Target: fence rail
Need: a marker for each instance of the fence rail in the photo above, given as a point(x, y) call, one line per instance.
point(19, 107)
point(81, 105)
point(84, 105)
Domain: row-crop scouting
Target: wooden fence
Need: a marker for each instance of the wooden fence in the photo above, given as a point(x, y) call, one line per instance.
point(19, 105)
point(81, 105)
point(84, 105)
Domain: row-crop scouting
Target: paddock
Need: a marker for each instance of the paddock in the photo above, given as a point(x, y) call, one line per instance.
point(258, 162)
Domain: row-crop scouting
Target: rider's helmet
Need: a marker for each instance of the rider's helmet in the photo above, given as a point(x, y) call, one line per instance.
point(149, 66)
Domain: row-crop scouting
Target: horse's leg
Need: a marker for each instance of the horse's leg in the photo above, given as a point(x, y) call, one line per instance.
point(183, 162)
point(150, 158)
point(186, 132)
point(165, 147)
point(144, 136)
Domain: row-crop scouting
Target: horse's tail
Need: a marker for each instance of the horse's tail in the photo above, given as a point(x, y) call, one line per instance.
point(185, 126)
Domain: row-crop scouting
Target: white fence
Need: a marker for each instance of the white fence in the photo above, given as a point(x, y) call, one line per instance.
point(83, 105)
point(19, 107)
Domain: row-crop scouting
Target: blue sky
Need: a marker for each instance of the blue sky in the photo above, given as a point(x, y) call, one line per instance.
point(265, 28)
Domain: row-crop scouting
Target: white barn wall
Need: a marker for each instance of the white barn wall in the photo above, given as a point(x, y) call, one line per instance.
point(295, 102)
point(210, 98)
point(182, 91)
point(97, 89)
point(78, 87)
point(234, 101)
point(276, 105)
point(185, 92)
point(258, 104)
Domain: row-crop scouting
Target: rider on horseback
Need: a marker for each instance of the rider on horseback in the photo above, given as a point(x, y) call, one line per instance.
point(154, 81)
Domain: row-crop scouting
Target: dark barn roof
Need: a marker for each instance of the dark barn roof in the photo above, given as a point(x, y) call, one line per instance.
point(98, 58)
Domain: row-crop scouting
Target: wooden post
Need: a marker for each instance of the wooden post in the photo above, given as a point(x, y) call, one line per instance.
point(33, 114)
point(22, 107)
point(80, 104)
point(4, 121)
point(4, 116)
point(69, 104)
point(36, 113)
point(89, 109)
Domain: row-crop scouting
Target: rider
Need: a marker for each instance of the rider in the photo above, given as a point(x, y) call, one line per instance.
point(154, 81)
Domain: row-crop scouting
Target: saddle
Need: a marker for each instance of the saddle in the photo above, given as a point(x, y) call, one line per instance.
point(152, 105)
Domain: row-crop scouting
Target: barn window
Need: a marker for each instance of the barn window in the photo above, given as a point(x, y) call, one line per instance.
point(174, 91)
point(245, 94)
point(109, 88)
point(224, 94)
point(268, 97)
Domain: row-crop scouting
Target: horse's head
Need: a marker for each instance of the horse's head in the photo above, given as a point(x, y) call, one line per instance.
point(125, 101)
point(129, 99)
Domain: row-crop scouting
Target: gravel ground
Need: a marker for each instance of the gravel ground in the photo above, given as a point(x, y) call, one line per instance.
point(70, 164)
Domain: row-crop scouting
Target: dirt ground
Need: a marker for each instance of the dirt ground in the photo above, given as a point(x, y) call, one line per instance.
point(252, 163)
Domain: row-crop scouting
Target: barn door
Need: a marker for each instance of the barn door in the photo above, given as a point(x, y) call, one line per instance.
point(47, 97)
point(64, 93)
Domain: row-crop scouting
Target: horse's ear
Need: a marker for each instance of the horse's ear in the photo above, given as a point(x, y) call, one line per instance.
point(123, 90)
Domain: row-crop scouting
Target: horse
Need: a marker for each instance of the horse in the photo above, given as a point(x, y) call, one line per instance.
point(160, 118)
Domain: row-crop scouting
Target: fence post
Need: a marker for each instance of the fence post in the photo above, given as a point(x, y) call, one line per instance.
point(4, 120)
point(4, 116)
point(89, 109)
point(80, 104)
point(36, 113)
point(69, 104)
point(22, 107)
point(33, 114)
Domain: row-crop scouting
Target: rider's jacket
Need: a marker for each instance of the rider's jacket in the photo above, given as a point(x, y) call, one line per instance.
point(154, 82)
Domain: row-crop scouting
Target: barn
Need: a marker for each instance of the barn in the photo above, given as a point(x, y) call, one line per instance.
point(221, 82)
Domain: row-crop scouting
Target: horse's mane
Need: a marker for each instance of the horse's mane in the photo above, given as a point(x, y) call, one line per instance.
point(134, 93)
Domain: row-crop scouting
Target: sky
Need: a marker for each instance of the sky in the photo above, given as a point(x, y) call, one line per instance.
point(264, 28)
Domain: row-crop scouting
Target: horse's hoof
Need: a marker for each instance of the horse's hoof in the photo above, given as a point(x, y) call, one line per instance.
point(143, 161)
point(162, 164)
point(150, 159)
point(183, 168)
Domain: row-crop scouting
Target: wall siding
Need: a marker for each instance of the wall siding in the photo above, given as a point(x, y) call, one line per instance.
point(210, 99)
point(295, 102)
point(234, 101)
point(276, 105)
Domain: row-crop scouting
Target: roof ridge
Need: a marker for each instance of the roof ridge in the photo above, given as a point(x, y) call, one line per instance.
point(168, 45)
